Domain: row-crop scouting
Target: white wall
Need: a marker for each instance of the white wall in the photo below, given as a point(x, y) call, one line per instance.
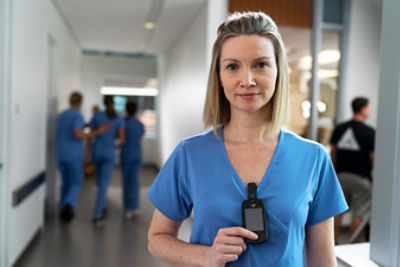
point(364, 55)
point(32, 23)
point(385, 221)
point(97, 69)
point(183, 73)
point(5, 196)
point(183, 85)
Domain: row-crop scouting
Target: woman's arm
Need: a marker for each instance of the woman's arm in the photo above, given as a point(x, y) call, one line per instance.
point(165, 245)
point(104, 127)
point(121, 136)
point(81, 134)
point(319, 244)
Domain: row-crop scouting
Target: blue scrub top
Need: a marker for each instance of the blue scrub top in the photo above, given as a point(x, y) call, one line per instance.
point(300, 188)
point(134, 131)
point(68, 147)
point(104, 144)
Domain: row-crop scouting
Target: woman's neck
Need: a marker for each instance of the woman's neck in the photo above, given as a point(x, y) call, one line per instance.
point(246, 127)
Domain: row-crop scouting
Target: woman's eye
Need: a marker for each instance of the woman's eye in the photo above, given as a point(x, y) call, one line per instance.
point(262, 65)
point(231, 67)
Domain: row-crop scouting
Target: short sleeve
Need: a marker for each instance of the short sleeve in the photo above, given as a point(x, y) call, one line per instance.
point(328, 198)
point(335, 136)
point(170, 192)
point(78, 122)
point(371, 141)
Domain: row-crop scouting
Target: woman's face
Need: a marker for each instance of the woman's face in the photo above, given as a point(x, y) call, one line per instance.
point(248, 72)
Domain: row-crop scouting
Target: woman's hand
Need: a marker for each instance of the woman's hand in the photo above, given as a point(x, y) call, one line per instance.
point(228, 245)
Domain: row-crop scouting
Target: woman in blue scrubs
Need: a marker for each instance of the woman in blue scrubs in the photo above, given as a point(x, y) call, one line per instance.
point(103, 153)
point(208, 174)
point(131, 160)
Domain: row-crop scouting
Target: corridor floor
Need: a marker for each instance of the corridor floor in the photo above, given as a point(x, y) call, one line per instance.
point(119, 242)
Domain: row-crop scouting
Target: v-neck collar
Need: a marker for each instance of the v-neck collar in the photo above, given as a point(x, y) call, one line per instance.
point(235, 176)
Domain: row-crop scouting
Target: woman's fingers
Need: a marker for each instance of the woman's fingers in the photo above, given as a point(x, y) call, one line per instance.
point(239, 231)
point(232, 240)
point(224, 258)
point(230, 249)
point(229, 244)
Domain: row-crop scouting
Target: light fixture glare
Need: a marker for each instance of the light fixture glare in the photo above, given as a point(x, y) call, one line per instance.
point(149, 25)
point(129, 91)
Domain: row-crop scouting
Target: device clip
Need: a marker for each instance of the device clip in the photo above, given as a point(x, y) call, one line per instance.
point(252, 191)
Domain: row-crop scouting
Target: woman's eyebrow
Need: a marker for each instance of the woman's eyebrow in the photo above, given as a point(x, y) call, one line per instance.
point(230, 59)
point(263, 58)
point(236, 60)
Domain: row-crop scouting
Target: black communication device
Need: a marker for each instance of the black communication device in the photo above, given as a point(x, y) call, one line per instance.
point(253, 215)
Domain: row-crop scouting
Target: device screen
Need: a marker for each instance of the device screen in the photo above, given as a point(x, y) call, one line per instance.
point(254, 219)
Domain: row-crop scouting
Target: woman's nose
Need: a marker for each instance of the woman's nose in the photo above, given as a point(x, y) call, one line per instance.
point(247, 79)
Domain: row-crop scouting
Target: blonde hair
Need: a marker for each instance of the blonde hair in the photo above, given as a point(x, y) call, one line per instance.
point(216, 107)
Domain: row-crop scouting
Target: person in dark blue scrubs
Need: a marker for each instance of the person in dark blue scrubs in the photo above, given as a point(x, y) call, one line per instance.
point(103, 153)
point(131, 159)
point(69, 147)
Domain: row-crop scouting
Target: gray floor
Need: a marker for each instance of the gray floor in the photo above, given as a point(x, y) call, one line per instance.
point(119, 243)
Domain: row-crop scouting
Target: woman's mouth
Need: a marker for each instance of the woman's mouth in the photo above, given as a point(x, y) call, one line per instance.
point(249, 96)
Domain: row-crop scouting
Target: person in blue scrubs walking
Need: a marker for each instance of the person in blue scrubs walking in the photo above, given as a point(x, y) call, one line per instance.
point(103, 153)
point(131, 160)
point(69, 147)
point(207, 174)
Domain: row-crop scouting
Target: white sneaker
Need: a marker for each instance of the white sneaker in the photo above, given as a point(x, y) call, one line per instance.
point(130, 214)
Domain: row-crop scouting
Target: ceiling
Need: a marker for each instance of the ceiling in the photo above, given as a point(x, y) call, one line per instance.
point(118, 25)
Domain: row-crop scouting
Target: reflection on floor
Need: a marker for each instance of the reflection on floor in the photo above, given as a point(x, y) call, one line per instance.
point(120, 242)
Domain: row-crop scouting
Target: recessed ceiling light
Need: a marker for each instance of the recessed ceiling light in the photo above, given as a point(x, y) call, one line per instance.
point(149, 25)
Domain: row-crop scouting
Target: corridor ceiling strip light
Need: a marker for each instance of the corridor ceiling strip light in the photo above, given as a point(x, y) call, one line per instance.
point(129, 91)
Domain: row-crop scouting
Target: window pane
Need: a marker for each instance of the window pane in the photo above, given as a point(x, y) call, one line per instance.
point(329, 58)
point(297, 42)
point(333, 11)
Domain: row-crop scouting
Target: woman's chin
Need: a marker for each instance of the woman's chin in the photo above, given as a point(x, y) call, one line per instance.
point(250, 108)
point(251, 111)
